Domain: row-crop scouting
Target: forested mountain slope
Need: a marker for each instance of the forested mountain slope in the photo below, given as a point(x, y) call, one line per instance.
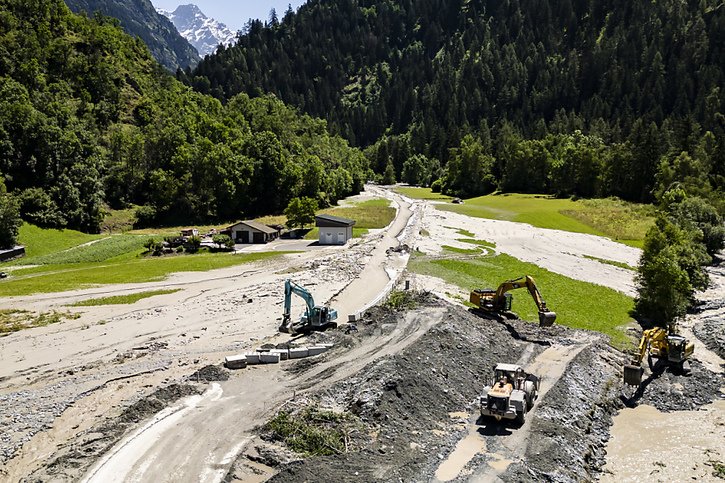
point(88, 118)
point(423, 74)
point(139, 18)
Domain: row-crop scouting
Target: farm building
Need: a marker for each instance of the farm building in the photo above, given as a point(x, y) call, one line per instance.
point(251, 232)
point(333, 229)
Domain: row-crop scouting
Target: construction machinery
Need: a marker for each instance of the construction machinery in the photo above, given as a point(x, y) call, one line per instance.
point(499, 300)
point(511, 394)
point(315, 317)
point(662, 344)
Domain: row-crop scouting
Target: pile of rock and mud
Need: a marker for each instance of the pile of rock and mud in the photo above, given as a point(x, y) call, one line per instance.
point(414, 406)
point(711, 329)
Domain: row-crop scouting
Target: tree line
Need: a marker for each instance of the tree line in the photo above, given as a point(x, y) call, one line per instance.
point(542, 86)
point(89, 121)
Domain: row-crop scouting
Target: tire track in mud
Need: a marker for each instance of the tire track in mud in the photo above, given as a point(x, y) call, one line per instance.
point(499, 445)
point(143, 461)
point(216, 426)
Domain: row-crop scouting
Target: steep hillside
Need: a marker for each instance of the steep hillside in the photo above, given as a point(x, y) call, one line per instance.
point(204, 33)
point(88, 118)
point(139, 18)
point(423, 74)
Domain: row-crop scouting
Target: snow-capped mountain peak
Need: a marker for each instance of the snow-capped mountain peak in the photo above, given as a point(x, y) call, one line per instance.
point(201, 31)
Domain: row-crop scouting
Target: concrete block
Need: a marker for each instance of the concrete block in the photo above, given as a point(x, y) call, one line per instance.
point(354, 317)
point(235, 362)
point(283, 353)
point(313, 351)
point(253, 358)
point(299, 353)
point(268, 358)
point(329, 346)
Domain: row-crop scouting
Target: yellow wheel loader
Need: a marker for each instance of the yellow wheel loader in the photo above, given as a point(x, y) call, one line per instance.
point(662, 344)
point(511, 393)
point(499, 301)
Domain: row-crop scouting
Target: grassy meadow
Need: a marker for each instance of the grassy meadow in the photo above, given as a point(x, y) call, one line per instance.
point(61, 260)
point(621, 221)
point(122, 299)
point(421, 193)
point(578, 304)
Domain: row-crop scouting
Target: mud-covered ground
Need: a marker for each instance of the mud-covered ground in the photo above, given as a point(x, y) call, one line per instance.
point(416, 406)
point(711, 329)
point(710, 310)
point(80, 453)
point(412, 409)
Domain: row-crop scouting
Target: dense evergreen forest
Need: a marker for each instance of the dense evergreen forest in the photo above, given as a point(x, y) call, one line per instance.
point(89, 120)
point(139, 18)
point(591, 98)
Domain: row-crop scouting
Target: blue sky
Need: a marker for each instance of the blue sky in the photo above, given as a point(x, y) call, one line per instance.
point(234, 13)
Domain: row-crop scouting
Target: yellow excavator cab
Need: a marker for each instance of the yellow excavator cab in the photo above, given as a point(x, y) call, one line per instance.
point(662, 344)
point(499, 300)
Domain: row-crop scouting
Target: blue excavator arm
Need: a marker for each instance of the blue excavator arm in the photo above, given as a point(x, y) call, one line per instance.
point(292, 288)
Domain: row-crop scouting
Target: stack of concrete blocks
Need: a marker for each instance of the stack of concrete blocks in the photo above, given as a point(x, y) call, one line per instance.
point(274, 356)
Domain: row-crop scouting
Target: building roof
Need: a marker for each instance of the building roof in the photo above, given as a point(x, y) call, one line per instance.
point(255, 225)
point(330, 220)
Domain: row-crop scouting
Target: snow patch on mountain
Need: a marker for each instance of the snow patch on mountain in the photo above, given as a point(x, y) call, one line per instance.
point(201, 31)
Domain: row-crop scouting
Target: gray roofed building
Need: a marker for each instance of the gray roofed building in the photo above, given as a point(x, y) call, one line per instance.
point(334, 230)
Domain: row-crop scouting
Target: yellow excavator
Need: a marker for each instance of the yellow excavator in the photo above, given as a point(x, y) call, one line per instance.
point(658, 343)
point(499, 300)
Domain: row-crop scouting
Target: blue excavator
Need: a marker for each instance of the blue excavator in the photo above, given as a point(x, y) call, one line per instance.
point(316, 317)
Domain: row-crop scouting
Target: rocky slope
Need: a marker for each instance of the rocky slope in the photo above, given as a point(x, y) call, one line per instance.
point(203, 32)
point(139, 18)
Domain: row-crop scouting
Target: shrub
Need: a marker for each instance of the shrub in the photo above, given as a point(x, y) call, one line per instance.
point(145, 217)
point(193, 244)
point(223, 241)
point(401, 300)
point(437, 186)
point(312, 431)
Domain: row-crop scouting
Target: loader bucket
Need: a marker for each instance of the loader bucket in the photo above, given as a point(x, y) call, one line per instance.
point(546, 319)
point(633, 375)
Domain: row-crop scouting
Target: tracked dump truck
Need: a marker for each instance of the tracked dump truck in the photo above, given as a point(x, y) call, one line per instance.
point(499, 301)
point(315, 317)
point(661, 344)
point(511, 394)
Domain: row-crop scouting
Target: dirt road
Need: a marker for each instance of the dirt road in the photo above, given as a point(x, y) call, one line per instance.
point(216, 425)
point(490, 439)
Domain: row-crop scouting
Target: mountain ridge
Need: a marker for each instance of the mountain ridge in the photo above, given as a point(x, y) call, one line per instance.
point(201, 31)
point(139, 18)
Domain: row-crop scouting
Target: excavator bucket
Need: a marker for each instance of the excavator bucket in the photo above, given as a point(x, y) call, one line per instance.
point(287, 327)
point(633, 375)
point(547, 319)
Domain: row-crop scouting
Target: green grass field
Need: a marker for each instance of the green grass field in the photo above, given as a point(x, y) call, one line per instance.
point(39, 242)
point(624, 222)
point(421, 193)
point(577, 304)
point(128, 268)
point(98, 251)
point(368, 215)
point(122, 299)
point(461, 251)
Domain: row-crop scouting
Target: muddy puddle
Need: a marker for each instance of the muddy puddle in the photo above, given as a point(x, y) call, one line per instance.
point(649, 445)
point(466, 449)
